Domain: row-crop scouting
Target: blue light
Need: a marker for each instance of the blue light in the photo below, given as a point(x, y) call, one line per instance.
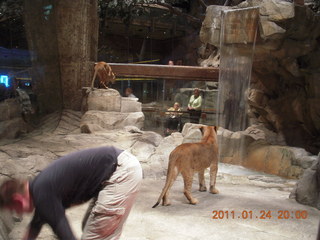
point(4, 79)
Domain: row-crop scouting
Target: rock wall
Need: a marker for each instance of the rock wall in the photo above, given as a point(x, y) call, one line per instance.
point(285, 91)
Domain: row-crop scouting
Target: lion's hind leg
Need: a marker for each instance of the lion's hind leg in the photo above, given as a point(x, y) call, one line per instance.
point(202, 183)
point(187, 178)
point(213, 177)
point(173, 177)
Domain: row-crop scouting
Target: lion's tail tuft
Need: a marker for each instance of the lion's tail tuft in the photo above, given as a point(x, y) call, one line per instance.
point(154, 206)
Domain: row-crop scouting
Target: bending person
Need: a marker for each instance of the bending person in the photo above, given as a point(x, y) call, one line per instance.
point(110, 175)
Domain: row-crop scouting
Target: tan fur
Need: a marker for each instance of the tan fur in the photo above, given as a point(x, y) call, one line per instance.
point(189, 158)
point(104, 73)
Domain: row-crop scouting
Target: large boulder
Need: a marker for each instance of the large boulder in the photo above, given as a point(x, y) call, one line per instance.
point(191, 133)
point(104, 100)
point(276, 160)
point(145, 145)
point(307, 190)
point(157, 164)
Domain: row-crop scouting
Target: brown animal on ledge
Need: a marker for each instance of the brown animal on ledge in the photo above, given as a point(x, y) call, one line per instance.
point(105, 74)
point(188, 158)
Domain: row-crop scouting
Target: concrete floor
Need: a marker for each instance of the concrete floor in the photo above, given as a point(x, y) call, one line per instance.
point(240, 190)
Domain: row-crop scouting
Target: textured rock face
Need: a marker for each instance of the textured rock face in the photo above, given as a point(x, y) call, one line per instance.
point(285, 93)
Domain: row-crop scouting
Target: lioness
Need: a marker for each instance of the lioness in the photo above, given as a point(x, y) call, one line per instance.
point(188, 158)
point(104, 72)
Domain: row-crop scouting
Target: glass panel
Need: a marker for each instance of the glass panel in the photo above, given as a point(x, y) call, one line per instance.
point(48, 52)
point(29, 69)
point(159, 95)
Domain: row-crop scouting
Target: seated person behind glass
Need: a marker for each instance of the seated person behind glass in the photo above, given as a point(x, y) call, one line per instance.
point(173, 118)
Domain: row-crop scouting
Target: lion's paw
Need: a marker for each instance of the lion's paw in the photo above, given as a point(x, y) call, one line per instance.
point(166, 203)
point(202, 188)
point(213, 190)
point(194, 201)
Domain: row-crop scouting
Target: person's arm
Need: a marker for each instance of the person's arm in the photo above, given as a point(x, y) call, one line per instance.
point(53, 213)
point(197, 103)
point(34, 228)
point(168, 111)
point(190, 102)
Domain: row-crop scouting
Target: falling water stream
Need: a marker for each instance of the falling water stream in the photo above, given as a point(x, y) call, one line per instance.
point(237, 44)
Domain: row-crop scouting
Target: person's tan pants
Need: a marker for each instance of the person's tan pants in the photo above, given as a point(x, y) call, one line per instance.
point(114, 201)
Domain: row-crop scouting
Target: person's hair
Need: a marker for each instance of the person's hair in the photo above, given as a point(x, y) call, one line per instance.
point(196, 90)
point(8, 189)
point(176, 103)
point(129, 90)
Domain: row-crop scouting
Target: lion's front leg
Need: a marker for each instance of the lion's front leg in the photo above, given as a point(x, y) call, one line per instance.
point(187, 178)
point(202, 183)
point(213, 176)
point(105, 86)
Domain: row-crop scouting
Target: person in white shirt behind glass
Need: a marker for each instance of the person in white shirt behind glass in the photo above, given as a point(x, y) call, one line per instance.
point(194, 106)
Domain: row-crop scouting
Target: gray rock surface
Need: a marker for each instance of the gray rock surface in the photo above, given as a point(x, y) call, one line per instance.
point(112, 120)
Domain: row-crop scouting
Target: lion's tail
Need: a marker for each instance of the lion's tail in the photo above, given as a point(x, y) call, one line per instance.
point(94, 77)
point(170, 177)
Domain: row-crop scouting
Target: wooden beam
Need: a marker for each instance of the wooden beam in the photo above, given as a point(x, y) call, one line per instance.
point(175, 72)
